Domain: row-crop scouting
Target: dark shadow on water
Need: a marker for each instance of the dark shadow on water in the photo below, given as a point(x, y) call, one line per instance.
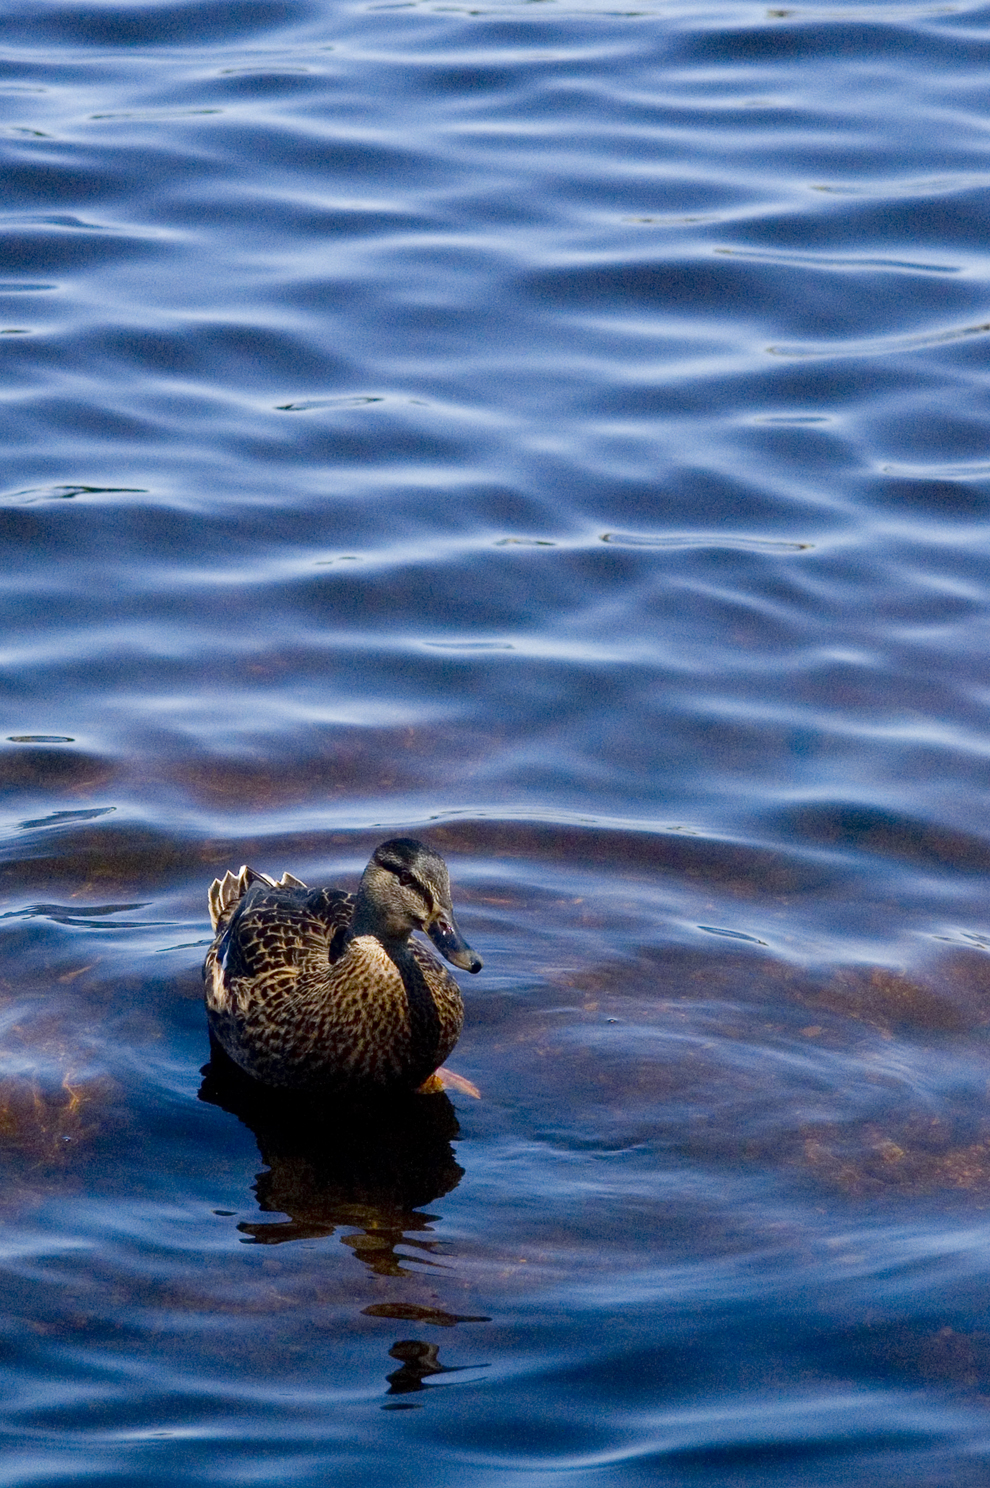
point(369, 1166)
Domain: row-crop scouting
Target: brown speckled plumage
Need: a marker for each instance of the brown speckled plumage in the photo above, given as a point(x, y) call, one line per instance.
point(319, 989)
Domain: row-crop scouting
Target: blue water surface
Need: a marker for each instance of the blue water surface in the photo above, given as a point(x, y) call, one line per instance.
point(560, 433)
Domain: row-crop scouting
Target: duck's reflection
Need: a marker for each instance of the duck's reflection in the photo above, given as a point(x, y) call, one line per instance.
point(369, 1167)
point(419, 1361)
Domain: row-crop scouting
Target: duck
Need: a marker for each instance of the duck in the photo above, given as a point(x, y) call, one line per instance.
point(325, 991)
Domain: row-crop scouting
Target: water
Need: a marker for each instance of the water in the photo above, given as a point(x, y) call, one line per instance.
point(560, 433)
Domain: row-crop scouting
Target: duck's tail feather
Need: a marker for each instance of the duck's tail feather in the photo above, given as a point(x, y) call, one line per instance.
point(227, 892)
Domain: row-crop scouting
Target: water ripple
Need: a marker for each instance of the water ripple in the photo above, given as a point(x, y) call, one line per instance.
point(561, 434)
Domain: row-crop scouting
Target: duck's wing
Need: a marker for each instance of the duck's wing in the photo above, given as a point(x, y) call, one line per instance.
point(278, 927)
point(335, 909)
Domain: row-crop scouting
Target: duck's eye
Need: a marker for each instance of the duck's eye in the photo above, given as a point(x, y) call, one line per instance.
point(406, 879)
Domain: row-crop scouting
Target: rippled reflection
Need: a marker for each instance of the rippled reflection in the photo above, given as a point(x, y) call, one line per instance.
point(331, 1166)
point(420, 1362)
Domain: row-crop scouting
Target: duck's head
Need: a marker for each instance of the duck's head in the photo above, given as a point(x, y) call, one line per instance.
point(406, 887)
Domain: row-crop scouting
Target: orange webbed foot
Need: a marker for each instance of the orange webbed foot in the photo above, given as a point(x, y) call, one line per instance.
point(445, 1079)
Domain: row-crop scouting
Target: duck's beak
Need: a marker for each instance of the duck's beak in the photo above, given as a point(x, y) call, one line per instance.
point(451, 943)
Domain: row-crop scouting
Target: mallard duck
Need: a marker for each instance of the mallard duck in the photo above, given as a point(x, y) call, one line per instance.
point(322, 990)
